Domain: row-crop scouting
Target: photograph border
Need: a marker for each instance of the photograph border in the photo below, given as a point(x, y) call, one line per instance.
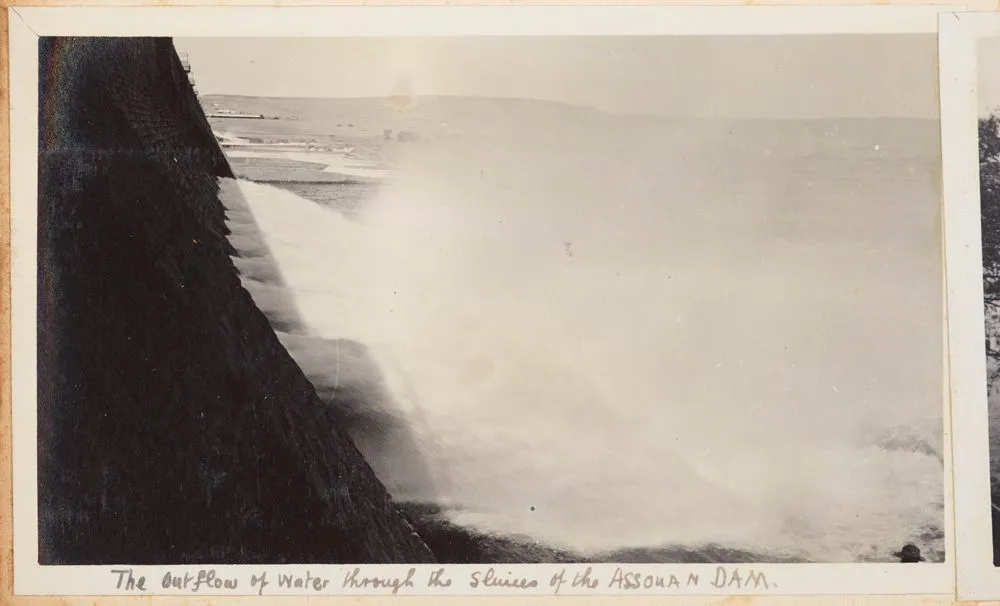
point(959, 35)
point(26, 24)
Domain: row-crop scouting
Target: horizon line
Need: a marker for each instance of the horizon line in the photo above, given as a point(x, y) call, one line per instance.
point(567, 104)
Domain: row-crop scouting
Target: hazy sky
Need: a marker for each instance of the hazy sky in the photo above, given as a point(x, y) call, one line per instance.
point(745, 76)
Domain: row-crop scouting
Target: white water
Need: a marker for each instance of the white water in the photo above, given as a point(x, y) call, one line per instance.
point(333, 163)
point(605, 355)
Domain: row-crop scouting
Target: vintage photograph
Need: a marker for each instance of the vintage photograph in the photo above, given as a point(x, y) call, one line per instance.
point(989, 197)
point(657, 299)
point(970, 111)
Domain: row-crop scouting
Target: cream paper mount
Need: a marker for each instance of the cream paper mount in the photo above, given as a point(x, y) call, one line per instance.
point(610, 300)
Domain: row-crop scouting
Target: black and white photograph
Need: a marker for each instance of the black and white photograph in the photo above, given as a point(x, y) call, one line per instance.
point(970, 99)
point(989, 192)
point(493, 300)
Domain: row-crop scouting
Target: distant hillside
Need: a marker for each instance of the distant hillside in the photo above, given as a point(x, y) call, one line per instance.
point(434, 116)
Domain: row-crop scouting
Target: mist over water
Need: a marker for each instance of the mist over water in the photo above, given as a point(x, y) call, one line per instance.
point(603, 341)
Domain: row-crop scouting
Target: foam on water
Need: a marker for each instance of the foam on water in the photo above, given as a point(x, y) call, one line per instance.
point(598, 372)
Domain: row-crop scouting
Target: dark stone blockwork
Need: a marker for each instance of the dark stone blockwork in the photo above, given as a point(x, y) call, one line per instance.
point(173, 426)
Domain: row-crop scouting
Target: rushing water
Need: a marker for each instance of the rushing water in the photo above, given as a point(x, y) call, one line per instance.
point(607, 346)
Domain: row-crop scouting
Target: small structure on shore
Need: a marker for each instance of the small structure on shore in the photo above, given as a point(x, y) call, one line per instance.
point(231, 113)
point(909, 554)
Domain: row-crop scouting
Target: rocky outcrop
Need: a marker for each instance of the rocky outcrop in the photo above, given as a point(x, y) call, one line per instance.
point(173, 425)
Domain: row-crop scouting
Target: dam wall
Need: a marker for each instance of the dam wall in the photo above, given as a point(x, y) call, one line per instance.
point(173, 426)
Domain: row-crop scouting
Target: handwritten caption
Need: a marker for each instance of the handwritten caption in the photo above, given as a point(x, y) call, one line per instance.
point(252, 580)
